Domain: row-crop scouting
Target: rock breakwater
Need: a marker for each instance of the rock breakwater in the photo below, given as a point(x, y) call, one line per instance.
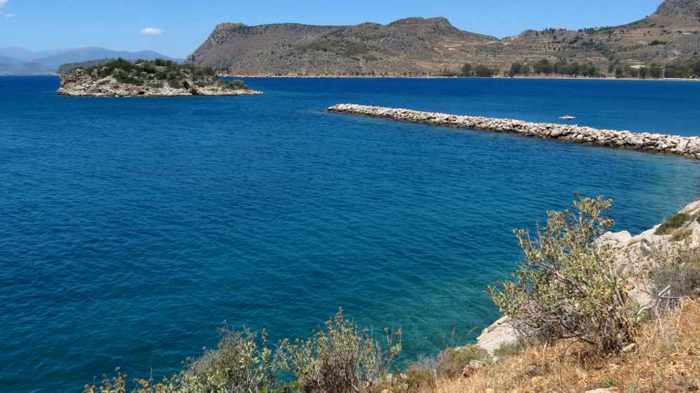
point(641, 141)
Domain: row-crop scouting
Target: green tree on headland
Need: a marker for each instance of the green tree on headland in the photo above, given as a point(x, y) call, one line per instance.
point(467, 70)
point(519, 69)
point(483, 71)
point(480, 71)
point(543, 67)
point(156, 73)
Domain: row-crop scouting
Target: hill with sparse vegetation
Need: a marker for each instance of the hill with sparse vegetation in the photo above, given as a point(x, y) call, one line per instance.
point(665, 44)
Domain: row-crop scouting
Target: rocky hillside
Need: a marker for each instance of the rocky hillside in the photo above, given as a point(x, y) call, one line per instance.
point(414, 45)
point(434, 46)
point(121, 78)
point(670, 35)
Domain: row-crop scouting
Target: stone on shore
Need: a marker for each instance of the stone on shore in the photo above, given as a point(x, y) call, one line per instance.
point(500, 334)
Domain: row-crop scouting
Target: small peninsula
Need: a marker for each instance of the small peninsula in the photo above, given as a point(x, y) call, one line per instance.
point(146, 78)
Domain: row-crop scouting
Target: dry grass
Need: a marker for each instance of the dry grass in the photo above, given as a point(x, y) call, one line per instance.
point(666, 358)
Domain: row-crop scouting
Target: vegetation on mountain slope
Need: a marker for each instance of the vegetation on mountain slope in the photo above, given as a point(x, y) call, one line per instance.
point(666, 42)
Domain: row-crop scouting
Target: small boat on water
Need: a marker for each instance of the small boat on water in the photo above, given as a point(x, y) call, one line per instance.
point(567, 117)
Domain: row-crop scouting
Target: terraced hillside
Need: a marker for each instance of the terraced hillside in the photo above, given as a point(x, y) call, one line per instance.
point(418, 46)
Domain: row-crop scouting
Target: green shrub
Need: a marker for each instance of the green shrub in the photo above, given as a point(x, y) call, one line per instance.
point(175, 83)
point(484, 72)
point(607, 383)
point(682, 235)
point(451, 362)
point(234, 84)
point(673, 223)
point(519, 69)
point(242, 363)
point(678, 276)
point(507, 350)
point(467, 70)
point(543, 67)
point(567, 285)
point(339, 359)
point(420, 379)
point(158, 72)
point(164, 63)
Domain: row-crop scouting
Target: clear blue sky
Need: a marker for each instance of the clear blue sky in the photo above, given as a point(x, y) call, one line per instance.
point(179, 26)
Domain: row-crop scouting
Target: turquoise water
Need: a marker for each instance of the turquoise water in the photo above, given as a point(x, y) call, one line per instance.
point(133, 228)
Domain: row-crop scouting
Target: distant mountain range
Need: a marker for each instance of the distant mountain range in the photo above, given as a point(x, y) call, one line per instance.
point(418, 46)
point(20, 61)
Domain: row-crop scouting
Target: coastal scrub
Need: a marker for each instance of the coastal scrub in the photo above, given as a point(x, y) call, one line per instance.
point(567, 286)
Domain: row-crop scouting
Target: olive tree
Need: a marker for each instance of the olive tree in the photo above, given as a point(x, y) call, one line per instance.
point(568, 285)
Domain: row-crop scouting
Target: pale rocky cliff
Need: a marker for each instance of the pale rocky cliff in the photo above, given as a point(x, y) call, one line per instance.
point(418, 46)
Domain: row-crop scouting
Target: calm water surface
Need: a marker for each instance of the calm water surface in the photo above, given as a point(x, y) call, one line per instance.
point(132, 229)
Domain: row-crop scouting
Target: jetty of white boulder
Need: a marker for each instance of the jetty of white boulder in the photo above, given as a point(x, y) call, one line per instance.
point(641, 141)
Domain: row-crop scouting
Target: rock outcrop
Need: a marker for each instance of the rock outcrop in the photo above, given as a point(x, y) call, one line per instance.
point(500, 334)
point(120, 78)
point(636, 256)
point(680, 8)
point(412, 45)
point(648, 142)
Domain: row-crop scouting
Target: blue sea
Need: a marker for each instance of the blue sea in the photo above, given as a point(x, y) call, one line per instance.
point(132, 229)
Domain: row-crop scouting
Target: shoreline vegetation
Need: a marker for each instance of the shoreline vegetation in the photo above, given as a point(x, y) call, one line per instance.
point(543, 69)
point(688, 147)
point(587, 309)
point(146, 78)
point(402, 76)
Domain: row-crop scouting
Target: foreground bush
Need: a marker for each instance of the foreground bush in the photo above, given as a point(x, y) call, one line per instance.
point(567, 286)
point(673, 223)
point(339, 359)
point(242, 363)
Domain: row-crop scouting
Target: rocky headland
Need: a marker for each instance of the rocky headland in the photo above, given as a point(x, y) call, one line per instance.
point(641, 141)
point(636, 257)
point(158, 78)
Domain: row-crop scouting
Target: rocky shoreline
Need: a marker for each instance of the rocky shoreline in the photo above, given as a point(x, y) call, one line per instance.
point(81, 84)
point(688, 147)
point(636, 256)
point(159, 78)
point(437, 76)
point(117, 91)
